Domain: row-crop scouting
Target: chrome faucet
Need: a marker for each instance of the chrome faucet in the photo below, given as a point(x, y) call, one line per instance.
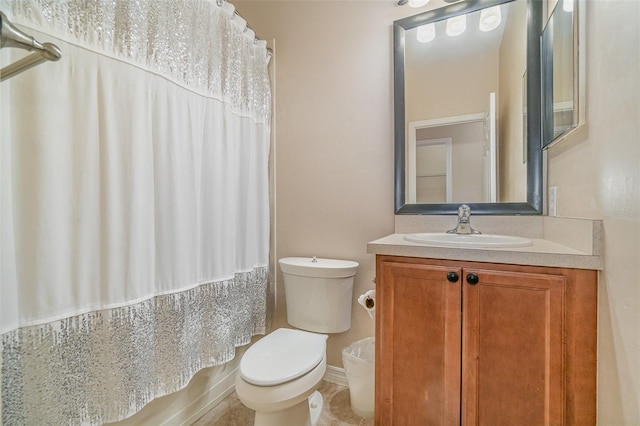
point(464, 222)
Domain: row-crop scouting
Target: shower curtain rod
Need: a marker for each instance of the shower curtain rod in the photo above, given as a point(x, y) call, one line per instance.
point(11, 36)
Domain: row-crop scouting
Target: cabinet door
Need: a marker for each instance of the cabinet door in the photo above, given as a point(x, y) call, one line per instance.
point(418, 344)
point(512, 365)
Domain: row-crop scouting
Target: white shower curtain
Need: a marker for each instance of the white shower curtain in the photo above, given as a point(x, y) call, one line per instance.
point(134, 204)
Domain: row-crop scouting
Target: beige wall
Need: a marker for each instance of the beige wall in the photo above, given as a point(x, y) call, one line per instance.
point(455, 87)
point(597, 173)
point(334, 155)
point(333, 137)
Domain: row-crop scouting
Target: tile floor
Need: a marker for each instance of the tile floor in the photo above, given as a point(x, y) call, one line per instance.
point(336, 411)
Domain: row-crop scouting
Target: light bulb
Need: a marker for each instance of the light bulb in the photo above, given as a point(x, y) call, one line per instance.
point(567, 5)
point(490, 18)
point(426, 33)
point(417, 3)
point(456, 25)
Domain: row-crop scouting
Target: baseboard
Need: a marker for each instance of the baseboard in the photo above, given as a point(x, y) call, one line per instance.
point(205, 402)
point(336, 375)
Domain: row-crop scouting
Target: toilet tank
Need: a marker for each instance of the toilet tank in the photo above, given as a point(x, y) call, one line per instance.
point(318, 293)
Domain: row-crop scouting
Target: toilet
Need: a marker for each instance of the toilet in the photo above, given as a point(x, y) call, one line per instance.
point(279, 374)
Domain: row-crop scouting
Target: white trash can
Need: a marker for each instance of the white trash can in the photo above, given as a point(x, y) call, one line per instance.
point(359, 365)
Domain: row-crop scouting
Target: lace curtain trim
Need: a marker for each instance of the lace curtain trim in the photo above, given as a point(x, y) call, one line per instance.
point(105, 365)
point(196, 43)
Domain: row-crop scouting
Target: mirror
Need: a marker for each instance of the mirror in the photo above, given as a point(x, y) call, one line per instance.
point(560, 73)
point(463, 98)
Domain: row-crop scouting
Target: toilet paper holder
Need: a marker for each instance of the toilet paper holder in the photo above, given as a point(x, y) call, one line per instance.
point(368, 301)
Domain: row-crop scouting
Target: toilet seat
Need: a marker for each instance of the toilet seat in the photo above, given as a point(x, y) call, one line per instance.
point(282, 356)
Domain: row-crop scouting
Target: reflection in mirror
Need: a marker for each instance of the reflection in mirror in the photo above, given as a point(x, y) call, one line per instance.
point(433, 170)
point(469, 75)
point(468, 88)
point(466, 181)
point(558, 72)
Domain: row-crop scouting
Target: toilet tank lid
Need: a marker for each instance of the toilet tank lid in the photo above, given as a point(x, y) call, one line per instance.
point(318, 267)
point(281, 356)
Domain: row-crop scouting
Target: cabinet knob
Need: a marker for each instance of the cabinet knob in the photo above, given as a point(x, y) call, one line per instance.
point(472, 279)
point(452, 277)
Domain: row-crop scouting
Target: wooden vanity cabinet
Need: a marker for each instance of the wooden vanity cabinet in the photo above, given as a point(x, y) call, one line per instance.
point(484, 344)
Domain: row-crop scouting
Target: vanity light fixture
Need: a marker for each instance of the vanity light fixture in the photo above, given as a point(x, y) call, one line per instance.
point(490, 18)
point(426, 33)
point(456, 25)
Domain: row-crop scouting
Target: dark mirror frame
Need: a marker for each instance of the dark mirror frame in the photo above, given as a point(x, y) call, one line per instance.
point(533, 205)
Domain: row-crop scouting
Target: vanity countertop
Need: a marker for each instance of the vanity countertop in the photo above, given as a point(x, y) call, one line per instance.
point(543, 252)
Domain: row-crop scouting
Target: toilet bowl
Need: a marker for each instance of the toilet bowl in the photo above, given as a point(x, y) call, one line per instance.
point(279, 374)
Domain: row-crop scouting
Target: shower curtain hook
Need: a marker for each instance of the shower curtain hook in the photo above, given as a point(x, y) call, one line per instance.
point(219, 2)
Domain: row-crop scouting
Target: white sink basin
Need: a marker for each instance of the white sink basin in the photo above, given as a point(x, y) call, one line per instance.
point(468, 240)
